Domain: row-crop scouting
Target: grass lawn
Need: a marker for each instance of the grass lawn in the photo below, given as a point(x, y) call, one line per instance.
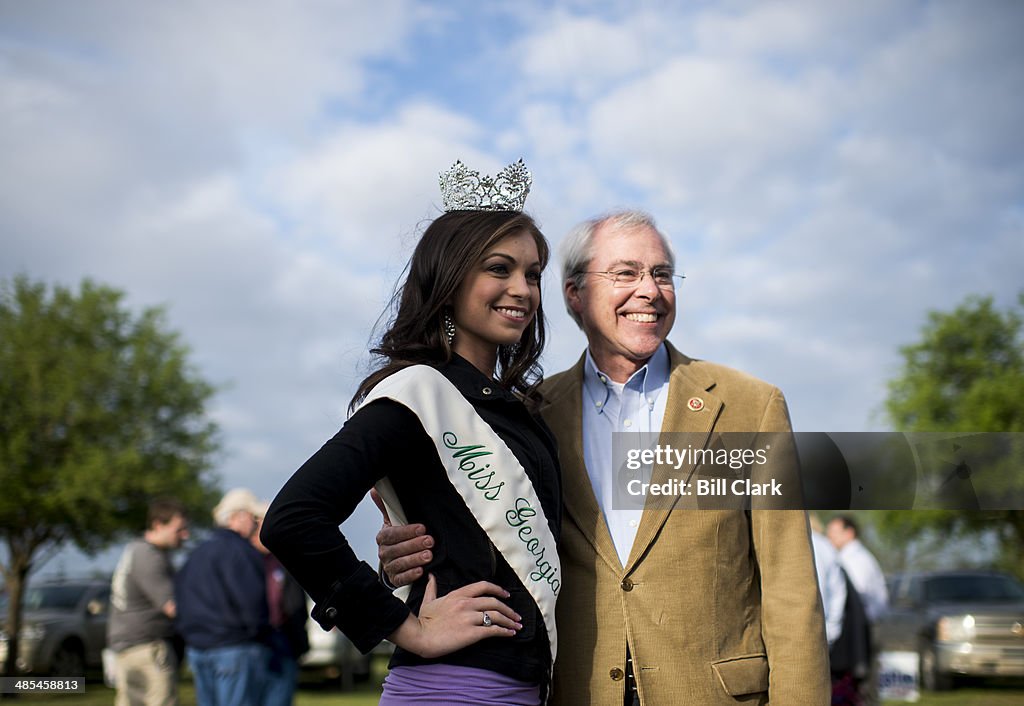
point(310, 694)
point(984, 693)
point(97, 695)
point(978, 693)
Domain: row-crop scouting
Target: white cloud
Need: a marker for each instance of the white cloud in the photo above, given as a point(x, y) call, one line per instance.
point(802, 31)
point(264, 63)
point(776, 27)
point(951, 82)
point(702, 132)
point(368, 183)
point(579, 53)
point(829, 172)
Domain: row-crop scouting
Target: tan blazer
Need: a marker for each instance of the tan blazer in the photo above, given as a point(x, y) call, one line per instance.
point(717, 606)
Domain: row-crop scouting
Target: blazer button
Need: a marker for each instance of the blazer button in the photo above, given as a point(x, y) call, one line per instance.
point(616, 674)
point(627, 584)
point(331, 613)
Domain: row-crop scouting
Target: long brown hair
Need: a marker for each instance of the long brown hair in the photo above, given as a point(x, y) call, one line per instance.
point(449, 248)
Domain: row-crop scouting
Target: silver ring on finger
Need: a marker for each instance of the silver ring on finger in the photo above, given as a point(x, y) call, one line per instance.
point(487, 620)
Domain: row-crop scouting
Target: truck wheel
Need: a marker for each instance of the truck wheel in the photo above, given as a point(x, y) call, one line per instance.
point(68, 660)
point(932, 679)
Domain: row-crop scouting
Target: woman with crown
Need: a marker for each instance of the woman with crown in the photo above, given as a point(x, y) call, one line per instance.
point(445, 429)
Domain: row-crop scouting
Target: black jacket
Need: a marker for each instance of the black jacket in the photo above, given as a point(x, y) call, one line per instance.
point(852, 651)
point(386, 439)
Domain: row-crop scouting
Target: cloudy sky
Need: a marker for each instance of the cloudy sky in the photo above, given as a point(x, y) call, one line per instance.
point(828, 172)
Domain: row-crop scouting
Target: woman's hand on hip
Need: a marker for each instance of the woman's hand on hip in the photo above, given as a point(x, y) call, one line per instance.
point(457, 620)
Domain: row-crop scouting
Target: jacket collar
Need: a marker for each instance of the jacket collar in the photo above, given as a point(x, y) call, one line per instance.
point(687, 383)
point(472, 383)
point(563, 411)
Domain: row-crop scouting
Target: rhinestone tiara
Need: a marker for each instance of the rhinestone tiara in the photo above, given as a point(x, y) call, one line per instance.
point(465, 190)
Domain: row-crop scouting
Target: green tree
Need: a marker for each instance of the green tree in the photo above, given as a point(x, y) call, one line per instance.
point(100, 410)
point(965, 375)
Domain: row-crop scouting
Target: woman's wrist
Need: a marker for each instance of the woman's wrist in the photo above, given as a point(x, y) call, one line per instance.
point(408, 635)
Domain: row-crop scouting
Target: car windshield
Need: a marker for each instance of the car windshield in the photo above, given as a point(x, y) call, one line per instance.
point(52, 597)
point(969, 589)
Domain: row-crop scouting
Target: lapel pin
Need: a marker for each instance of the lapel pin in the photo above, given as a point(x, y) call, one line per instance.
point(695, 404)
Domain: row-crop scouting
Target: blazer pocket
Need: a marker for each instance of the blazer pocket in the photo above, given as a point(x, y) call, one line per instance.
point(742, 675)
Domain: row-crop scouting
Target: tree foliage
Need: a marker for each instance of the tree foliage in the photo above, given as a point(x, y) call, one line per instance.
point(100, 410)
point(965, 375)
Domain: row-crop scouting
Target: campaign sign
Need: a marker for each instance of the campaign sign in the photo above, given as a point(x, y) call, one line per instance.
point(898, 676)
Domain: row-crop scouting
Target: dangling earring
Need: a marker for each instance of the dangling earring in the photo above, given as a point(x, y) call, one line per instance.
point(513, 350)
point(449, 327)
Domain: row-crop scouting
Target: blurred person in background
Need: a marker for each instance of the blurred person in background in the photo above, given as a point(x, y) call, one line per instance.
point(846, 626)
point(860, 565)
point(221, 595)
point(286, 602)
point(831, 582)
point(866, 577)
point(142, 609)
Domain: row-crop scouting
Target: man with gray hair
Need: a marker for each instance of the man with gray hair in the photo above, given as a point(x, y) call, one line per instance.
point(222, 607)
point(658, 607)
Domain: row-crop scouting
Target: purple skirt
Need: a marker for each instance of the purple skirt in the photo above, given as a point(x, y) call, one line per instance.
point(444, 684)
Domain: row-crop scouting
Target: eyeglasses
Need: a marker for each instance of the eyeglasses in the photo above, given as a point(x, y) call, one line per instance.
point(663, 277)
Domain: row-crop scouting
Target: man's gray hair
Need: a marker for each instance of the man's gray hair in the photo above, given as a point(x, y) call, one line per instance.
point(575, 250)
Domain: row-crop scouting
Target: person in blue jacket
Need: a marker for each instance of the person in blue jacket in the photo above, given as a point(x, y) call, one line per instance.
point(222, 607)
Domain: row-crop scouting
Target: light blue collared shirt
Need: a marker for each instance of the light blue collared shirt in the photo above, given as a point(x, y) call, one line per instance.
point(638, 405)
